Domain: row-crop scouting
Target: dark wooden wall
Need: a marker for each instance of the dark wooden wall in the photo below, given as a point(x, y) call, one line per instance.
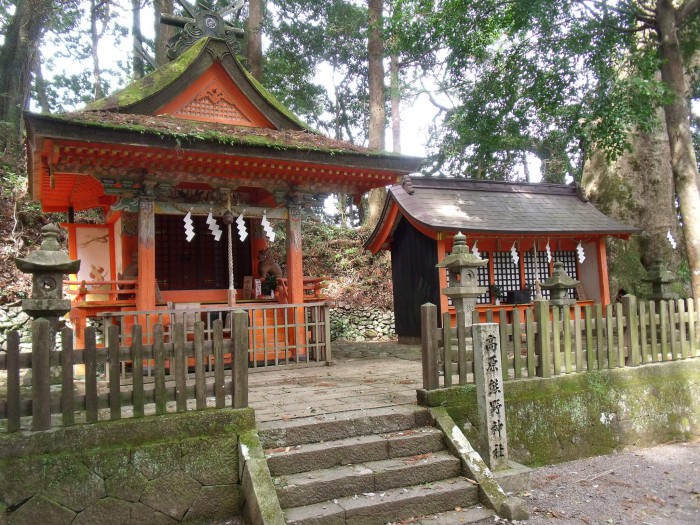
point(415, 278)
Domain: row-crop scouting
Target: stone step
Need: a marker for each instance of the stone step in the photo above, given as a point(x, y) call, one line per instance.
point(371, 476)
point(392, 505)
point(288, 460)
point(339, 425)
point(460, 516)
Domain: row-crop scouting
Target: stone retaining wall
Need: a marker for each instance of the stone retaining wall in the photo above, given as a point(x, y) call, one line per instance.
point(585, 414)
point(179, 468)
point(361, 323)
point(13, 318)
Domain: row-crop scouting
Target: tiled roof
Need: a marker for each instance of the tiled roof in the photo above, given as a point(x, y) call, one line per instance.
point(503, 207)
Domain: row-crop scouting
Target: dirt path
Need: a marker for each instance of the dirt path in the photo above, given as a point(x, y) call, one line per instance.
point(654, 486)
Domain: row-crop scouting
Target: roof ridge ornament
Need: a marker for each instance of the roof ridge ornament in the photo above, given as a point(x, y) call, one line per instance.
point(200, 22)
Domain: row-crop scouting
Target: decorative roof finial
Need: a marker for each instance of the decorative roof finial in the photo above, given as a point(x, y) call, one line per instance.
point(200, 22)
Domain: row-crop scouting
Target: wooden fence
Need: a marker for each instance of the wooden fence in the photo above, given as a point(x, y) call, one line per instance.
point(549, 340)
point(278, 334)
point(119, 396)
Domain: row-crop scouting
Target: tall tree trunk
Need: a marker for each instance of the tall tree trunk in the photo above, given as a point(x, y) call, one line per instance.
point(95, 34)
point(637, 189)
point(254, 37)
point(395, 88)
point(17, 56)
point(163, 32)
point(375, 48)
point(377, 114)
point(683, 161)
point(137, 64)
point(40, 85)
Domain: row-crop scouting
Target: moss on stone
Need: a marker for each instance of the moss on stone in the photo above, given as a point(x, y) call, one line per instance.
point(151, 83)
point(584, 414)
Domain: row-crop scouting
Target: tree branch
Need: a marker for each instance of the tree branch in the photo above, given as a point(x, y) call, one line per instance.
point(686, 10)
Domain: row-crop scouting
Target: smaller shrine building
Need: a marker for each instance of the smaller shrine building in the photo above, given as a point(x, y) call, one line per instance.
point(520, 228)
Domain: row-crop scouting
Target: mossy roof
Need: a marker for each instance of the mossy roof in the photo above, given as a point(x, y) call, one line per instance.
point(193, 132)
point(151, 83)
point(164, 76)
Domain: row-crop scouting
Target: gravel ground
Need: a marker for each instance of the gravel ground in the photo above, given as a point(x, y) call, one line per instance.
point(653, 486)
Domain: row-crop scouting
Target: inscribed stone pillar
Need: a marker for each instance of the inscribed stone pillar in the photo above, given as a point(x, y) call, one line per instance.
point(489, 394)
point(146, 292)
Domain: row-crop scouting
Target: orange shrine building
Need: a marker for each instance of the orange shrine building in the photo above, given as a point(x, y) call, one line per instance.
point(190, 166)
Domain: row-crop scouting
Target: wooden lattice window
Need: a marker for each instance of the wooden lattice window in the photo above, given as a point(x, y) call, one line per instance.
point(201, 264)
point(543, 270)
point(483, 277)
point(506, 275)
point(570, 266)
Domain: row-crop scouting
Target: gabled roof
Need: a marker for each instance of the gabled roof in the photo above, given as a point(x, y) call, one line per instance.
point(147, 95)
point(479, 207)
point(200, 119)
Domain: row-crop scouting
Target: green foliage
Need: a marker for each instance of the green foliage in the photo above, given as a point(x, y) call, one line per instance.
point(307, 36)
point(556, 79)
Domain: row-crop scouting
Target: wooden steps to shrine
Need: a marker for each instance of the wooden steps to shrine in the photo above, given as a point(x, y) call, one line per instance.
point(367, 467)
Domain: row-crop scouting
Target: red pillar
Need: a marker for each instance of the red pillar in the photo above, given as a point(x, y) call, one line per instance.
point(146, 292)
point(295, 278)
point(295, 273)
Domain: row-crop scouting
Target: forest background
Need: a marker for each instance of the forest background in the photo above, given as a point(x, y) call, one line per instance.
point(593, 91)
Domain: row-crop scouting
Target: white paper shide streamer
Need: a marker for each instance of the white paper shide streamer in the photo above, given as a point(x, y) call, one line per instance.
point(514, 254)
point(581, 254)
point(213, 227)
point(268, 228)
point(240, 225)
point(671, 240)
point(475, 249)
point(189, 227)
point(549, 252)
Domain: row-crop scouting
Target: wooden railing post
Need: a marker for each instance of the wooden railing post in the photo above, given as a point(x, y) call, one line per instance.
point(90, 357)
point(67, 392)
point(239, 336)
point(13, 382)
point(429, 345)
point(115, 406)
point(447, 348)
point(544, 351)
point(629, 309)
point(41, 377)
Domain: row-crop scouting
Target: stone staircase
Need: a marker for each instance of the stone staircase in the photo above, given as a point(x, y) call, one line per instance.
point(366, 467)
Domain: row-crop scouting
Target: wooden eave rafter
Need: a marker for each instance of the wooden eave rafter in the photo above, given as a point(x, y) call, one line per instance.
point(132, 163)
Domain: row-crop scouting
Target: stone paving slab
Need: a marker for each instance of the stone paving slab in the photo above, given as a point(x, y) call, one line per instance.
point(362, 376)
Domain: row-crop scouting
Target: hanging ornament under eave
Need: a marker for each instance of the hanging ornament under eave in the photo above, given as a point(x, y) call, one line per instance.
point(514, 254)
point(268, 228)
point(189, 227)
point(671, 240)
point(581, 254)
point(213, 227)
point(240, 225)
point(475, 249)
point(549, 252)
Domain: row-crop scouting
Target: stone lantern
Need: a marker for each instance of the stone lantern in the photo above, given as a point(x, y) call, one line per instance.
point(47, 265)
point(559, 284)
point(463, 269)
point(661, 279)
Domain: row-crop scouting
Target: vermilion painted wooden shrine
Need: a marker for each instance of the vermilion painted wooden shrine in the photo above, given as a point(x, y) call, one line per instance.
point(198, 136)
